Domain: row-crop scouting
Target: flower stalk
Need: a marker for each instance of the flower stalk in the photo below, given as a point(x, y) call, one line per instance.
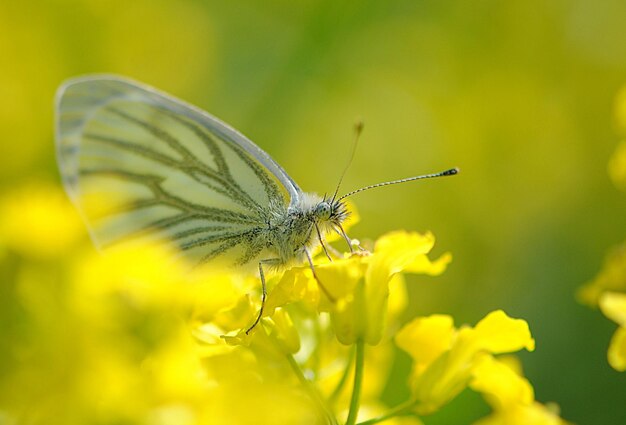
point(359, 362)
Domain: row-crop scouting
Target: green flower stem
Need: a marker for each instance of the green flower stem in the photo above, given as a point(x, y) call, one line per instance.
point(400, 410)
point(312, 391)
point(358, 381)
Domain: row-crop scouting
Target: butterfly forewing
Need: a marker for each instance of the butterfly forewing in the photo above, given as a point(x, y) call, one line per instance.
point(140, 164)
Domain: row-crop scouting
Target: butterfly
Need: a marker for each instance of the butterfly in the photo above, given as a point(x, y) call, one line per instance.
point(137, 162)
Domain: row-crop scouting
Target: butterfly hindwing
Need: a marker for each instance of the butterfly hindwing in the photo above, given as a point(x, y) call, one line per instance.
point(139, 163)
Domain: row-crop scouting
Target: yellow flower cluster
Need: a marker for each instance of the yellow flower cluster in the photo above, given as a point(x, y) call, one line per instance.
point(608, 289)
point(129, 337)
point(360, 284)
point(445, 358)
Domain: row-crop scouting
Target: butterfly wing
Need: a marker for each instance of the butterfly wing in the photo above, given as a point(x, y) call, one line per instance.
point(141, 164)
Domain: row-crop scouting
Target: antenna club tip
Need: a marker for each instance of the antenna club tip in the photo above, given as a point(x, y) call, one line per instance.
point(451, 171)
point(358, 125)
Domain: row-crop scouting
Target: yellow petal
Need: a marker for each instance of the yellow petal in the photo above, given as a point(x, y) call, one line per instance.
point(394, 252)
point(400, 249)
point(510, 395)
point(38, 220)
point(426, 338)
point(240, 338)
point(612, 277)
point(344, 280)
point(175, 366)
point(349, 318)
point(617, 350)
point(341, 276)
point(500, 385)
point(296, 284)
point(285, 332)
point(589, 294)
point(613, 305)
point(144, 273)
point(424, 265)
point(375, 304)
point(537, 414)
point(533, 414)
point(400, 239)
point(499, 333)
point(398, 297)
point(211, 295)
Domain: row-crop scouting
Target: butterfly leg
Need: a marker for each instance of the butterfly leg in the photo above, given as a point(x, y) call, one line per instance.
point(264, 291)
point(345, 237)
point(319, 237)
point(317, 279)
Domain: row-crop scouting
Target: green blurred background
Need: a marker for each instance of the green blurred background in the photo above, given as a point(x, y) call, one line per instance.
point(519, 95)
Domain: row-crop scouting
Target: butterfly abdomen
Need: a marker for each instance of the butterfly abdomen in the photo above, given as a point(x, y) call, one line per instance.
point(290, 237)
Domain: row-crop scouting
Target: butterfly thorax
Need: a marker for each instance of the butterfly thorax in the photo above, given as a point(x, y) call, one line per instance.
point(295, 229)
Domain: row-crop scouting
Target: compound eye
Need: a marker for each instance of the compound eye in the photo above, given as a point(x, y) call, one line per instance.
point(322, 211)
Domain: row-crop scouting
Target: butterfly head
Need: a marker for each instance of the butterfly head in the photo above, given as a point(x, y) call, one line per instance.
point(330, 211)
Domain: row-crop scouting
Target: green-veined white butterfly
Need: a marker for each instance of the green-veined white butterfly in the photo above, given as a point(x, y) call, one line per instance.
point(172, 170)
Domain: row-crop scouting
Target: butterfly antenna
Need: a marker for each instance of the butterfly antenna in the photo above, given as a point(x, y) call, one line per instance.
point(450, 172)
point(358, 129)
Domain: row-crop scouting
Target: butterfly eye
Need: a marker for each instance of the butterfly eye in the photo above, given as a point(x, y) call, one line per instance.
point(323, 211)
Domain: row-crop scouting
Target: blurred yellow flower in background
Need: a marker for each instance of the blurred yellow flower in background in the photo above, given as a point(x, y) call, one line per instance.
point(607, 289)
point(38, 220)
point(613, 305)
point(611, 277)
point(617, 165)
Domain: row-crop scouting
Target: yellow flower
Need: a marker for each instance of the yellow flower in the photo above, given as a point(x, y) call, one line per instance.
point(510, 395)
point(606, 289)
point(425, 339)
point(443, 357)
point(295, 285)
point(38, 220)
point(360, 284)
point(157, 330)
point(284, 332)
point(613, 305)
point(247, 385)
point(612, 277)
